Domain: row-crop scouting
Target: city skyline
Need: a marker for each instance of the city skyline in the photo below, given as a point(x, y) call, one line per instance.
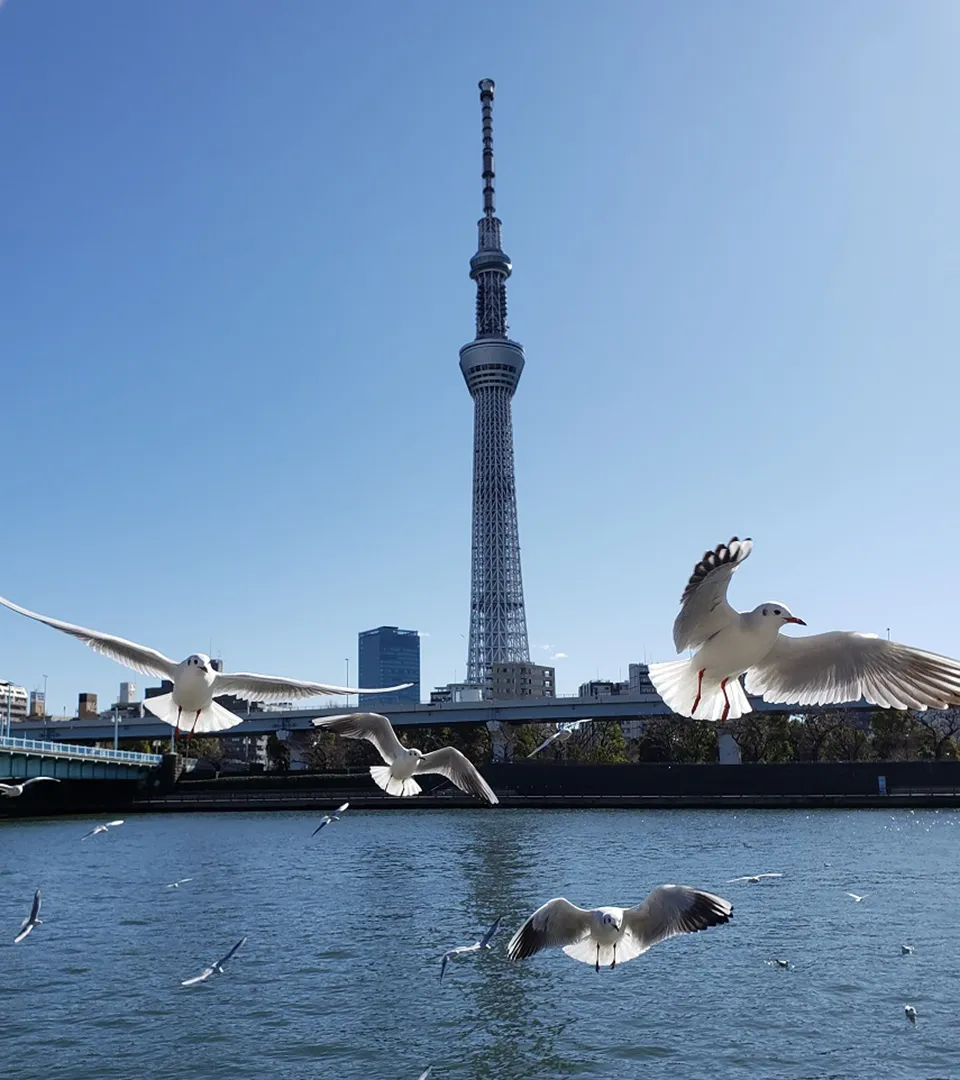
point(236, 236)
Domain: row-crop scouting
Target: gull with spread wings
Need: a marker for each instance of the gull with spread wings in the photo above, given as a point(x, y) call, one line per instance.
point(614, 935)
point(821, 669)
point(396, 777)
point(216, 968)
point(32, 920)
point(195, 680)
point(13, 791)
point(483, 943)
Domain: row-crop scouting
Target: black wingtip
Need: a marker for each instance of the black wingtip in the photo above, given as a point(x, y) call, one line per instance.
point(722, 555)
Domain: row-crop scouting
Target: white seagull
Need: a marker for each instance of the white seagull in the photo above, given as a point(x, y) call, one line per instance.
point(178, 883)
point(753, 879)
point(396, 777)
point(12, 791)
point(821, 669)
point(216, 968)
point(613, 934)
point(906, 950)
point(483, 943)
point(563, 732)
point(330, 818)
point(101, 828)
point(857, 899)
point(780, 963)
point(195, 682)
point(910, 1013)
point(32, 920)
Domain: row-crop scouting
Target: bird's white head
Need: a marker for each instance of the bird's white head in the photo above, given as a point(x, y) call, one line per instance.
point(413, 750)
point(776, 614)
point(609, 919)
point(199, 661)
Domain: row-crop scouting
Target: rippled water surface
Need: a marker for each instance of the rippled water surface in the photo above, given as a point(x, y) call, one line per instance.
point(339, 977)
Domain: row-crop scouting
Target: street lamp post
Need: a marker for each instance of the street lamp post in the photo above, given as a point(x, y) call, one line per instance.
point(116, 727)
point(347, 683)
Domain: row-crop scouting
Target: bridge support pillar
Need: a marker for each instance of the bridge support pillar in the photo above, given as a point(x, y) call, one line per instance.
point(728, 749)
point(170, 769)
point(500, 742)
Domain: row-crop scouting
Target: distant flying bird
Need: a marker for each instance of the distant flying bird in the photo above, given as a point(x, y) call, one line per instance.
point(32, 920)
point(216, 968)
point(910, 1013)
point(822, 669)
point(906, 950)
point(195, 682)
point(563, 732)
point(12, 791)
point(857, 899)
point(753, 879)
point(101, 828)
point(483, 943)
point(328, 819)
point(613, 934)
point(177, 884)
point(396, 777)
point(779, 963)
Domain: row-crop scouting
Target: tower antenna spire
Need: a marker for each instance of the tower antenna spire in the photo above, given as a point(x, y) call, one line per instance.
point(491, 366)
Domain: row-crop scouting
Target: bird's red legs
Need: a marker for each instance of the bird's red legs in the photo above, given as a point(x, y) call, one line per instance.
point(598, 958)
point(195, 719)
point(614, 964)
point(696, 700)
point(726, 702)
point(176, 730)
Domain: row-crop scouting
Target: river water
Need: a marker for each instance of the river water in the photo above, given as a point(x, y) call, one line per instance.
point(339, 977)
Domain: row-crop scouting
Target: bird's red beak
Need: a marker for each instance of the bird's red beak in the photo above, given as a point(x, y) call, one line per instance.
point(793, 618)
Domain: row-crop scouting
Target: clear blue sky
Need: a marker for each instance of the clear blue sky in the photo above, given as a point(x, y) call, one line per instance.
point(236, 238)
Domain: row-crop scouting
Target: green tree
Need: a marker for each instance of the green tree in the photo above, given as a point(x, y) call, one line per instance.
point(278, 753)
point(897, 736)
point(609, 746)
point(763, 737)
point(939, 731)
point(527, 737)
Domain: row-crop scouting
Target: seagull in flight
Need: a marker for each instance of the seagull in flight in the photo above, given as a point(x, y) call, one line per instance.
point(857, 899)
point(821, 669)
point(426, 1073)
point(780, 963)
point(101, 828)
point(910, 1013)
point(327, 819)
point(216, 968)
point(396, 777)
point(614, 935)
point(906, 950)
point(195, 681)
point(483, 943)
point(177, 884)
point(753, 879)
point(563, 732)
point(12, 791)
point(32, 920)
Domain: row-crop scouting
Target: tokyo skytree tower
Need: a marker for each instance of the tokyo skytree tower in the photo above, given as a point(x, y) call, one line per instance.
point(491, 365)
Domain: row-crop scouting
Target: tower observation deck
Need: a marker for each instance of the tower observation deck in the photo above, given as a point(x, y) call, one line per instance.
point(491, 365)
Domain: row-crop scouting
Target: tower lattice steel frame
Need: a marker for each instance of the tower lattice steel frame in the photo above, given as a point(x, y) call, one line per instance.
point(491, 365)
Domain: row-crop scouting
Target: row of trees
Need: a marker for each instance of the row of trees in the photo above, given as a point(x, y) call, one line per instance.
point(762, 737)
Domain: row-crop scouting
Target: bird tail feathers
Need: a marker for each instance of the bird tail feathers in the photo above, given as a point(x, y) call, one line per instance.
point(677, 683)
point(212, 718)
point(383, 778)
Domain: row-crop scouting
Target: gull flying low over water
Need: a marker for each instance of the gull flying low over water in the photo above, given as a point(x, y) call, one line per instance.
point(216, 968)
point(195, 681)
point(330, 818)
point(563, 732)
point(32, 920)
point(910, 1013)
point(753, 879)
point(177, 884)
point(12, 791)
point(822, 669)
point(483, 943)
point(396, 777)
point(101, 828)
point(613, 934)
point(857, 899)
point(906, 950)
point(780, 963)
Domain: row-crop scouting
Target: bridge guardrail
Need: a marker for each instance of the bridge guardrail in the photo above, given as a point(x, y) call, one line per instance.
point(72, 750)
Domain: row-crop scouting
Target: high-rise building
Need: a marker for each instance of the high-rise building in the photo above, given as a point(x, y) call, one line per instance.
point(491, 365)
point(389, 656)
point(87, 705)
point(128, 694)
point(519, 680)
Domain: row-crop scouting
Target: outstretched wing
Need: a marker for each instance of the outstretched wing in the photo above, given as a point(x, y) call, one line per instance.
point(323, 824)
point(145, 660)
point(37, 779)
point(35, 910)
point(546, 742)
point(826, 669)
point(250, 687)
point(488, 936)
point(372, 726)
point(460, 770)
point(220, 963)
point(558, 922)
point(198, 978)
point(673, 909)
point(704, 609)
